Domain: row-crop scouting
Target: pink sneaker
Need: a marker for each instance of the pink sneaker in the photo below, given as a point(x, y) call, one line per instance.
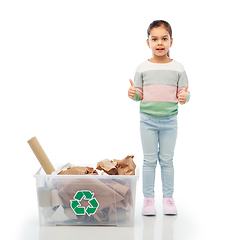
point(169, 206)
point(148, 207)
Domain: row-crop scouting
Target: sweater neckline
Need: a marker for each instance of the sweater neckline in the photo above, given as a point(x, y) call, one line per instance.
point(161, 63)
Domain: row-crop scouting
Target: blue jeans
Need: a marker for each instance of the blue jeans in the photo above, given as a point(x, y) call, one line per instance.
point(158, 137)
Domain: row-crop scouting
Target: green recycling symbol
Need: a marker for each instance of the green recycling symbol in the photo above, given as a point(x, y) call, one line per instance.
point(80, 210)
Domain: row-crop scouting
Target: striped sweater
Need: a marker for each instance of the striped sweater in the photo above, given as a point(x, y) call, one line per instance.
point(158, 86)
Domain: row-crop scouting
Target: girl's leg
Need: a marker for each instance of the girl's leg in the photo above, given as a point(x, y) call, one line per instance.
point(149, 138)
point(167, 140)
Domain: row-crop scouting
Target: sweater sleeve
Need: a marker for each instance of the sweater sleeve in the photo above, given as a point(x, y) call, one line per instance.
point(138, 82)
point(137, 96)
point(182, 83)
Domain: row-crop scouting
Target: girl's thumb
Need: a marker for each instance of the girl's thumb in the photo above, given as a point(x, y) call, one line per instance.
point(131, 82)
point(186, 88)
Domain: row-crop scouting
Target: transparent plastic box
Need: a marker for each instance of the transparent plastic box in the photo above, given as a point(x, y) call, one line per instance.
point(86, 199)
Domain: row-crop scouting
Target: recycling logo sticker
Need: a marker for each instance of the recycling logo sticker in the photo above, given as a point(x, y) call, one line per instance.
point(80, 210)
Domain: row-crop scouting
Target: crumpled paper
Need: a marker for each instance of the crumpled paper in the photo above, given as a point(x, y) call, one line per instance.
point(78, 171)
point(108, 166)
point(126, 166)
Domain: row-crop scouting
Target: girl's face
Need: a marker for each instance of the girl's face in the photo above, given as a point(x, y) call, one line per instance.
point(159, 42)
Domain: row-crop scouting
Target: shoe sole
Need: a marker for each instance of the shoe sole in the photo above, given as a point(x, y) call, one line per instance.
point(149, 214)
point(170, 213)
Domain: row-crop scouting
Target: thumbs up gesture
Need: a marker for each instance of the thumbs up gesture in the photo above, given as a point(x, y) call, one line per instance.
point(183, 96)
point(132, 90)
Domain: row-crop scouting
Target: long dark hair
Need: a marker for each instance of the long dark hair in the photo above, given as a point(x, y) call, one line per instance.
point(160, 23)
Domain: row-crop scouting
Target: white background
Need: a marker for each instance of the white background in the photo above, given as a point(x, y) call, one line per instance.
point(64, 72)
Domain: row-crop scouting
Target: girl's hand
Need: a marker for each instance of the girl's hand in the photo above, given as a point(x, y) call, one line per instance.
point(183, 96)
point(132, 90)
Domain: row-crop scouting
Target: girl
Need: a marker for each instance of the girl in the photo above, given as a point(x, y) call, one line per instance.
point(160, 83)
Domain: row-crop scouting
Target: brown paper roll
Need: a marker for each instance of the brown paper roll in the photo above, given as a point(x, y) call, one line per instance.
point(41, 155)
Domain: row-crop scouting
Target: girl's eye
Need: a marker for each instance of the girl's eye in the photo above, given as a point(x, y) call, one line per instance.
point(154, 39)
point(165, 39)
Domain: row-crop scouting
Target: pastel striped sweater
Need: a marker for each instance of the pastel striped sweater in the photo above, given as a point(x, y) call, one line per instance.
point(158, 86)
